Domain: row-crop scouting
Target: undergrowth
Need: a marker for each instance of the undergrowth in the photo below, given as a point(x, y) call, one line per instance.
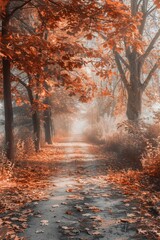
point(137, 147)
point(6, 167)
point(136, 170)
point(151, 159)
point(24, 149)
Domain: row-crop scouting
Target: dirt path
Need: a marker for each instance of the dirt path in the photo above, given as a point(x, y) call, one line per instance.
point(82, 205)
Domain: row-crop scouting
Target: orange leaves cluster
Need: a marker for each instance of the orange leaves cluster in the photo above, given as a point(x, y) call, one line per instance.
point(49, 42)
point(3, 4)
point(118, 24)
point(157, 3)
point(105, 92)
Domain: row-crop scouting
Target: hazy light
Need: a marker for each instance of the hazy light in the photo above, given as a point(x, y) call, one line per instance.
point(79, 126)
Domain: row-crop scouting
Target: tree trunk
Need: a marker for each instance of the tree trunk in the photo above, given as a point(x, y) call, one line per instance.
point(48, 126)
point(134, 103)
point(9, 138)
point(35, 122)
point(36, 130)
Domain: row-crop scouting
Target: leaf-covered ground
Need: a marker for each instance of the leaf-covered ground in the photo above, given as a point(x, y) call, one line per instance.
point(65, 193)
point(144, 189)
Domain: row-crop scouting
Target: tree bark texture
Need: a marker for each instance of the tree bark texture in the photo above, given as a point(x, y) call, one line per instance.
point(35, 122)
point(48, 126)
point(134, 104)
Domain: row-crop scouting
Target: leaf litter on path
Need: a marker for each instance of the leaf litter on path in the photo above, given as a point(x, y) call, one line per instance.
point(87, 215)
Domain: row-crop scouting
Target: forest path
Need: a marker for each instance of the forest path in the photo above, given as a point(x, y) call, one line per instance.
point(82, 205)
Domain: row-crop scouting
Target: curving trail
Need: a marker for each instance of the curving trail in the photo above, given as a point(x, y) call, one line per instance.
point(82, 204)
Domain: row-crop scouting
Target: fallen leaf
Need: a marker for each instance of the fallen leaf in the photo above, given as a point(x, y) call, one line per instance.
point(87, 214)
point(96, 233)
point(69, 190)
point(79, 208)
point(55, 206)
point(77, 197)
point(131, 215)
point(44, 222)
point(95, 209)
point(65, 227)
point(63, 203)
point(39, 231)
point(69, 212)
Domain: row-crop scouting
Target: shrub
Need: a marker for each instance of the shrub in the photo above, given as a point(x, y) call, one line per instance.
point(151, 159)
point(128, 143)
point(132, 143)
point(128, 150)
point(24, 143)
point(6, 167)
point(152, 133)
point(24, 148)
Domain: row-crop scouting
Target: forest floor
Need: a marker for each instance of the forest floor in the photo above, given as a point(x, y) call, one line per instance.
point(65, 193)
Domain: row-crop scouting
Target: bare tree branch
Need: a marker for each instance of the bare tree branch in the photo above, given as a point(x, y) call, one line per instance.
point(144, 11)
point(146, 82)
point(120, 69)
point(120, 57)
point(19, 7)
point(138, 4)
point(143, 22)
point(55, 3)
point(123, 61)
point(26, 26)
point(23, 83)
point(20, 80)
point(151, 10)
point(150, 47)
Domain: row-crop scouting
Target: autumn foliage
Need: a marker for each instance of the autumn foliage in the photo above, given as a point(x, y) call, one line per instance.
point(56, 56)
